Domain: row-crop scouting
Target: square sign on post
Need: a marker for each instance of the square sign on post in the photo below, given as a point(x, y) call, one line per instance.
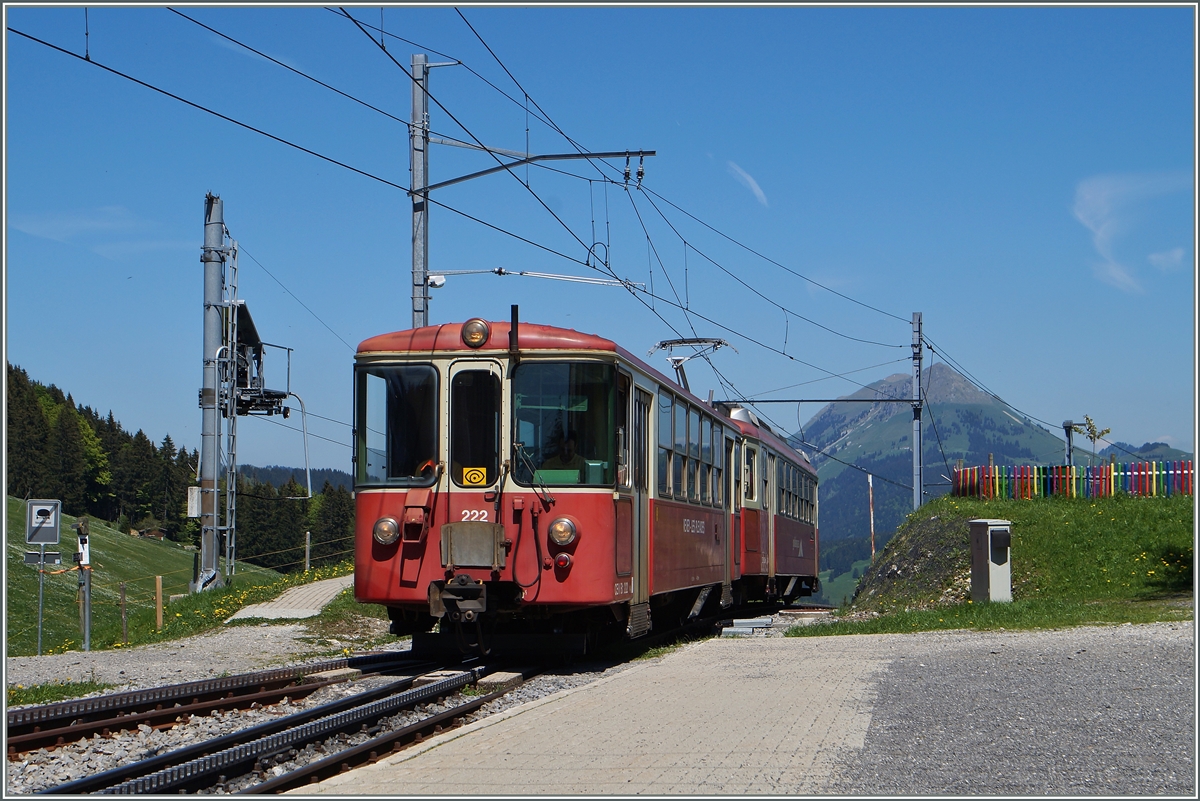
point(42, 519)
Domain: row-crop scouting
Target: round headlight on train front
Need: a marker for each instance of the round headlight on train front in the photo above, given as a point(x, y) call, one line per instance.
point(562, 531)
point(386, 531)
point(475, 333)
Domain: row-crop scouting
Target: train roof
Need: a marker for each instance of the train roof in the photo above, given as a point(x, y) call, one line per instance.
point(447, 337)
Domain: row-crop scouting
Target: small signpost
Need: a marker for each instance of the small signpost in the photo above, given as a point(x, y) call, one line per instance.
point(42, 519)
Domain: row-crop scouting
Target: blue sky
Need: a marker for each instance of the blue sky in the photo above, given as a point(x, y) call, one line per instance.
point(1022, 176)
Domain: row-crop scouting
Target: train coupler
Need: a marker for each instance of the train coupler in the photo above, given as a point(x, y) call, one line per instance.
point(461, 599)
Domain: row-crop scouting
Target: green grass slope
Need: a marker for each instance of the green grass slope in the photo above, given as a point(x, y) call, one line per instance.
point(116, 557)
point(1074, 560)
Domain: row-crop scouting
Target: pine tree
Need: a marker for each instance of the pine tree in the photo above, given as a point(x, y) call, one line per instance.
point(68, 462)
point(333, 533)
point(28, 439)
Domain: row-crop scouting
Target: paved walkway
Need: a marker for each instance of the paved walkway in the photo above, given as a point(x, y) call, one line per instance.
point(298, 602)
point(724, 716)
point(1103, 711)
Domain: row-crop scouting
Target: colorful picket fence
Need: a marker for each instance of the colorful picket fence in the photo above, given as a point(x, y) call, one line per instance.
point(1075, 481)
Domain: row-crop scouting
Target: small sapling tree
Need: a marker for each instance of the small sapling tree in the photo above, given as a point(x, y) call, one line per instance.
point(1093, 434)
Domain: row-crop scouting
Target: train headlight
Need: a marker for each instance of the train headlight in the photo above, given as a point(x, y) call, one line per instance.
point(562, 531)
point(387, 531)
point(475, 333)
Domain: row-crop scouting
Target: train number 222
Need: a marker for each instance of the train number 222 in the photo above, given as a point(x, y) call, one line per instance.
point(475, 514)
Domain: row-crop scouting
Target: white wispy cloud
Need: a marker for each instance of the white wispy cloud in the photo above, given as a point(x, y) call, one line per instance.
point(746, 180)
point(116, 251)
point(236, 48)
point(63, 227)
point(1167, 260)
point(1102, 204)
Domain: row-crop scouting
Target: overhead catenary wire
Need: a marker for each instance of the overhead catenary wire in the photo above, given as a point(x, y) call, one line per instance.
point(684, 307)
point(761, 295)
point(213, 112)
point(469, 133)
point(288, 67)
point(390, 183)
point(302, 303)
point(769, 259)
point(980, 386)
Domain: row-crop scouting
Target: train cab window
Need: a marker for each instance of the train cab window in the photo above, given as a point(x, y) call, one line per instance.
point(551, 401)
point(751, 459)
point(666, 405)
point(475, 428)
point(396, 424)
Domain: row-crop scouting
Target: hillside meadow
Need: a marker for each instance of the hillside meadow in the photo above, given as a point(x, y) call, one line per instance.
point(116, 557)
point(1074, 561)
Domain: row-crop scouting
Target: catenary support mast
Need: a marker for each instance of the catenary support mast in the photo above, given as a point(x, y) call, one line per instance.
point(918, 456)
point(213, 258)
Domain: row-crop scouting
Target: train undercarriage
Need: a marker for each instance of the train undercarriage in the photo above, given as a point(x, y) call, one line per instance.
point(488, 618)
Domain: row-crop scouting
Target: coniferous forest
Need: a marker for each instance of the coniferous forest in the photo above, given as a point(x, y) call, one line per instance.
point(57, 449)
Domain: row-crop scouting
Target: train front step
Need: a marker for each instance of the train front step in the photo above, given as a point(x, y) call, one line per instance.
point(745, 627)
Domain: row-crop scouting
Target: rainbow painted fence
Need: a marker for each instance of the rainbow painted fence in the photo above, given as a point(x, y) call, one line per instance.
point(1034, 481)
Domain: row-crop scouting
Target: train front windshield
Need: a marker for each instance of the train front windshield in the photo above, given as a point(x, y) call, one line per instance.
point(563, 423)
point(396, 424)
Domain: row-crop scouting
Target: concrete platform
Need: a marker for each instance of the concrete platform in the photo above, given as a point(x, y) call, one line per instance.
point(1091, 711)
point(669, 726)
point(298, 602)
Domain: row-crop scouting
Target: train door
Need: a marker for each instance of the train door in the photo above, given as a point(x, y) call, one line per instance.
point(473, 436)
point(733, 504)
point(769, 507)
point(642, 404)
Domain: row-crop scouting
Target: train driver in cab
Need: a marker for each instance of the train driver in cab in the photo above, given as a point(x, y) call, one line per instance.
point(567, 457)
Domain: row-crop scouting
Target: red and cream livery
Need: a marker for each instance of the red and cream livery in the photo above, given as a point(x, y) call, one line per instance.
point(470, 510)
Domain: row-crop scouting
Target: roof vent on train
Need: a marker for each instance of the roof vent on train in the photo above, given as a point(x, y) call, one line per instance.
point(745, 415)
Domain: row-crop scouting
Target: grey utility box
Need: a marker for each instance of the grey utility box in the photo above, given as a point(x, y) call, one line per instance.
point(991, 565)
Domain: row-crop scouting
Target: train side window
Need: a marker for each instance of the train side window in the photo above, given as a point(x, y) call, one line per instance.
point(678, 469)
point(665, 440)
point(705, 460)
point(735, 473)
point(794, 504)
point(767, 474)
point(693, 454)
point(624, 430)
point(781, 487)
point(751, 459)
point(718, 457)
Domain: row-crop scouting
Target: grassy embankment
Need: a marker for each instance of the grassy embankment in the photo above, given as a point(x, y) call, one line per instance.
point(1074, 561)
point(118, 557)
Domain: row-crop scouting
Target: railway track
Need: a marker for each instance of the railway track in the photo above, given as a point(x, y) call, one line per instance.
point(54, 725)
point(350, 731)
point(296, 749)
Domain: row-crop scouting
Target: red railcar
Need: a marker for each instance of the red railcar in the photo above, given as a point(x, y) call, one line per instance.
point(545, 482)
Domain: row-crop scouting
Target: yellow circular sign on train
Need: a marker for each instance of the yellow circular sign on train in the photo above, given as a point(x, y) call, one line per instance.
point(474, 477)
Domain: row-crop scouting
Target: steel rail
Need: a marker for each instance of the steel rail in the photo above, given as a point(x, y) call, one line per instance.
point(124, 773)
point(25, 719)
point(373, 750)
point(201, 771)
